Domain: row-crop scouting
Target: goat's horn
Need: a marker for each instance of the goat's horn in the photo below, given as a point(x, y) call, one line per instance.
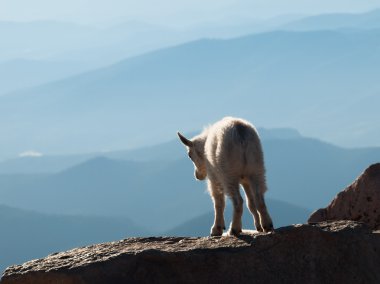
point(184, 140)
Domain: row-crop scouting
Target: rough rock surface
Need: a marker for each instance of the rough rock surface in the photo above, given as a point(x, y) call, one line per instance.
point(359, 202)
point(335, 252)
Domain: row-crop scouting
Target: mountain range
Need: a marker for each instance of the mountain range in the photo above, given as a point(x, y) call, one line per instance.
point(28, 235)
point(88, 142)
point(74, 48)
point(301, 171)
point(368, 20)
point(27, 59)
point(23, 73)
point(307, 80)
point(167, 151)
point(103, 199)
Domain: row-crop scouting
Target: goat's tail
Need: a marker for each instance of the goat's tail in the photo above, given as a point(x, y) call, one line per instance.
point(258, 182)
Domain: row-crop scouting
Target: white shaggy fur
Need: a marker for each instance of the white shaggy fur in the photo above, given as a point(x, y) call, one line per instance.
point(229, 153)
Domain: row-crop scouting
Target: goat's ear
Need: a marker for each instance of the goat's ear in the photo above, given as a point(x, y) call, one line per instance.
point(184, 140)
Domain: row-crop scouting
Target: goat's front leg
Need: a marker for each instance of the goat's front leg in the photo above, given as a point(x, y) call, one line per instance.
point(218, 198)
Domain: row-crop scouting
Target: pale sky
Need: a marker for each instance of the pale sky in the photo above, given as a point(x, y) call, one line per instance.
point(169, 12)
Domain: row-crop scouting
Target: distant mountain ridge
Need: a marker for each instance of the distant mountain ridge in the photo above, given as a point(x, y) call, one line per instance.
point(109, 198)
point(170, 150)
point(368, 20)
point(87, 47)
point(303, 172)
point(28, 40)
point(23, 74)
point(48, 233)
point(308, 79)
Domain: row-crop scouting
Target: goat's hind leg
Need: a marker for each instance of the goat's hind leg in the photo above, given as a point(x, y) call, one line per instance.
point(218, 198)
point(257, 187)
point(252, 207)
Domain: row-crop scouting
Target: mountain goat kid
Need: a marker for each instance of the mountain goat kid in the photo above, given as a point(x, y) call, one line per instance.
point(229, 153)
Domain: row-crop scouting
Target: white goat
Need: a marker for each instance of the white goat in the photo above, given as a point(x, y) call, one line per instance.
point(229, 153)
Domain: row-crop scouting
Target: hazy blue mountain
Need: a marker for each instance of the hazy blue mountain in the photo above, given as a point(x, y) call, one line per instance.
point(168, 151)
point(21, 74)
point(39, 52)
point(41, 39)
point(309, 173)
point(42, 51)
point(64, 41)
point(282, 213)
point(27, 235)
point(295, 79)
point(43, 164)
point(361, 122)
point(148, 193)
point(127, 39)
point(162, 194)
point(369, 20)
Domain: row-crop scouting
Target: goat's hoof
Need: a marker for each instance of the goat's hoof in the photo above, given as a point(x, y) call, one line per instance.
point(259, 229)
point(216, 231)
point(268, 228)
point(234, 232)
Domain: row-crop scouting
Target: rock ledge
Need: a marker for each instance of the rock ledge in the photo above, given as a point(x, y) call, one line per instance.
point(328, 252)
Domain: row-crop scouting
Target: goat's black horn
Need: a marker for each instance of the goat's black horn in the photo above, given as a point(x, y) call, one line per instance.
point(184, 140)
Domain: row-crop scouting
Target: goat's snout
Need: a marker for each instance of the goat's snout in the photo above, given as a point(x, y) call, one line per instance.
point(199, 175)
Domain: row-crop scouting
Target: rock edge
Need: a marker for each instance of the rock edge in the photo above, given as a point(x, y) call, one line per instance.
point(328, 252)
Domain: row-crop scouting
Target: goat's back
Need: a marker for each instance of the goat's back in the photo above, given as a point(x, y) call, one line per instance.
point(233, 147)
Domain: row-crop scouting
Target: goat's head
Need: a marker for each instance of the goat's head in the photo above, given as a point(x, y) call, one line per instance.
point(195, 151)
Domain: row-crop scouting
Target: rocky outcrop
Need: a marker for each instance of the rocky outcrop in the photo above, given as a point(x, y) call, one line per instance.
point(335, 252)
point(333, 248)
point(359, 202)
